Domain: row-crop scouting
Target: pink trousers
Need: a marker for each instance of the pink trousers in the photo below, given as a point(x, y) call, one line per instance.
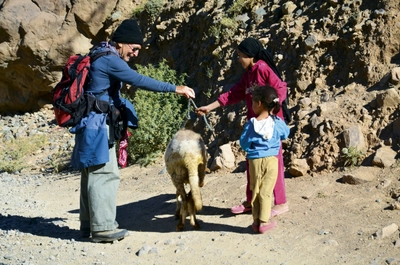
point(279, 189)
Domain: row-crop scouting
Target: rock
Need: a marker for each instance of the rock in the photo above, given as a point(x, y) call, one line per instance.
point(386, 231)
point(331, 242)
point(325, 108)
point(259, 13)
point(384, 184)
point(395, 75)
point(384, 157)
point(315, 121)
point(288, 8)
point(303, 84)
point(299, 167)
point(224, 158)
point(395, 206)
point(301, 114)
point(353, 137)
point(389, 99)
point(319, 83)
point(311, 41)
point(305, 102)
point(356, 179)
point(314, 161)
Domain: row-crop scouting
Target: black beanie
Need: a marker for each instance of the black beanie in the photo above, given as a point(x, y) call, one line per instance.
point(128, 32)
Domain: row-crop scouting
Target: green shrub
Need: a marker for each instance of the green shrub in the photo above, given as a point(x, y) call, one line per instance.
point(237, 6)
point(352, 156)
point(160, 116)
point(154, 7)
point(139, 9)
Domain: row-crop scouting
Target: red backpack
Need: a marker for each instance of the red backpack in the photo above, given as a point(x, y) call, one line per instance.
point(69, 101)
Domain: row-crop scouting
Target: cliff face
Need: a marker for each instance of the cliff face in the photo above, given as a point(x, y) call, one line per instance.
point(36, 39)
point(339, 53)
point(319, 44)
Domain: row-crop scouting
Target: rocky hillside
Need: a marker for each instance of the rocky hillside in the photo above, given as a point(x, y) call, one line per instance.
point(340, 59)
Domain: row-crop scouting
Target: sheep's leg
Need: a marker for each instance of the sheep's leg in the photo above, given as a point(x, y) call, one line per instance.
point(180, 193)
point(184, 213)
point(192, 212)
point(178, 206)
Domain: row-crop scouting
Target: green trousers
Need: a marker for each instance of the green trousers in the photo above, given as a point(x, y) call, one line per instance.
point(99, 185)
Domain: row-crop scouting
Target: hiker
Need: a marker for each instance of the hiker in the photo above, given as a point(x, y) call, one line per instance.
point(259, 70)
point(261, 140)
point(93, 154)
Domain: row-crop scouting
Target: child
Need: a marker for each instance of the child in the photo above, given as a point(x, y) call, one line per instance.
point(261, 139)
point(260, 70)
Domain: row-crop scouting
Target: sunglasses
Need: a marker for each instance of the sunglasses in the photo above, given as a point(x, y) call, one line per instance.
point(134, 49)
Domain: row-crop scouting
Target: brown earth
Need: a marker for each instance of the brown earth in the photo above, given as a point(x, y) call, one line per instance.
point(329, 222)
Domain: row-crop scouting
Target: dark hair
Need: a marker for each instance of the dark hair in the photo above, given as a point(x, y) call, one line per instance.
point(268, 98)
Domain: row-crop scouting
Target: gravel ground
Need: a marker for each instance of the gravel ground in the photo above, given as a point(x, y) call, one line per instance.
point(329, 222)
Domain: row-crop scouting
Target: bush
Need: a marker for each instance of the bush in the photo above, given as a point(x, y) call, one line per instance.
point(152, 7)
point(237, 6)
point(160, 116)
point(352, 156)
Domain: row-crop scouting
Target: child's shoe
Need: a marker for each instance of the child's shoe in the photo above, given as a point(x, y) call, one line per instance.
point(266, 227)
point(256, 227)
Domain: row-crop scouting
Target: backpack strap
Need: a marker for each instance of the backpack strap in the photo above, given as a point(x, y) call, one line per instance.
point(114, 115)
point(98, 55)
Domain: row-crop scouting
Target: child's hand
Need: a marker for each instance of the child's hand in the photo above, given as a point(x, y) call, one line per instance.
point(202, 110)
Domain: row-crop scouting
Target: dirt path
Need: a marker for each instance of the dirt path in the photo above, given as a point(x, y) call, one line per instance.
point(329, 222)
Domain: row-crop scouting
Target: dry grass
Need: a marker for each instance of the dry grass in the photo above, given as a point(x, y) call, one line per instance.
point(13, 154)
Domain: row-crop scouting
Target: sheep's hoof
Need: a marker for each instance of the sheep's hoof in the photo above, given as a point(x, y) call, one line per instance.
point(196, 226)
point(179, 227)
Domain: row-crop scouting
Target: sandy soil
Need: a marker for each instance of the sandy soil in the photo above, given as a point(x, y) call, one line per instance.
point(329, 222)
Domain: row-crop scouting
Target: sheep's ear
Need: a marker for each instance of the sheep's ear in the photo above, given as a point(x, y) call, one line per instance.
point(188, 124)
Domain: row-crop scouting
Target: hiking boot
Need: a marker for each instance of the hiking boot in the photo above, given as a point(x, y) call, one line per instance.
point(109, 236)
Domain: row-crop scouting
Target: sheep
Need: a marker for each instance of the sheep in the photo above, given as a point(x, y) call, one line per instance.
point(185, 161)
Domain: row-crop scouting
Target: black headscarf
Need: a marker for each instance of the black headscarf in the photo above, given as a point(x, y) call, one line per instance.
point(254, 49)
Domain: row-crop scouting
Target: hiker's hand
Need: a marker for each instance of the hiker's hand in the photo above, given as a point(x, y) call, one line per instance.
point(185, 91)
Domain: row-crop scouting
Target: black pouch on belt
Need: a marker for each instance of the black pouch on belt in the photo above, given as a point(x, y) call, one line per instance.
point(116, 123)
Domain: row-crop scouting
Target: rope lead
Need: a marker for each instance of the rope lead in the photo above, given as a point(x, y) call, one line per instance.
point(204, 115)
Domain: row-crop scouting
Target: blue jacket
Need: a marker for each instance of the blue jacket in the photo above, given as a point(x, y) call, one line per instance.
point(108, 73)
point(91, 141)
point(263, 139)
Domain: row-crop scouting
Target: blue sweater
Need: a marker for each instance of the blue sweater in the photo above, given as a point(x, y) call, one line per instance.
point(108, 72)
point(258, 142)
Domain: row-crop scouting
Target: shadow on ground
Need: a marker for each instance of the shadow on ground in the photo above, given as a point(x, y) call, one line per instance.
point(156, 214)
point(39, 226)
